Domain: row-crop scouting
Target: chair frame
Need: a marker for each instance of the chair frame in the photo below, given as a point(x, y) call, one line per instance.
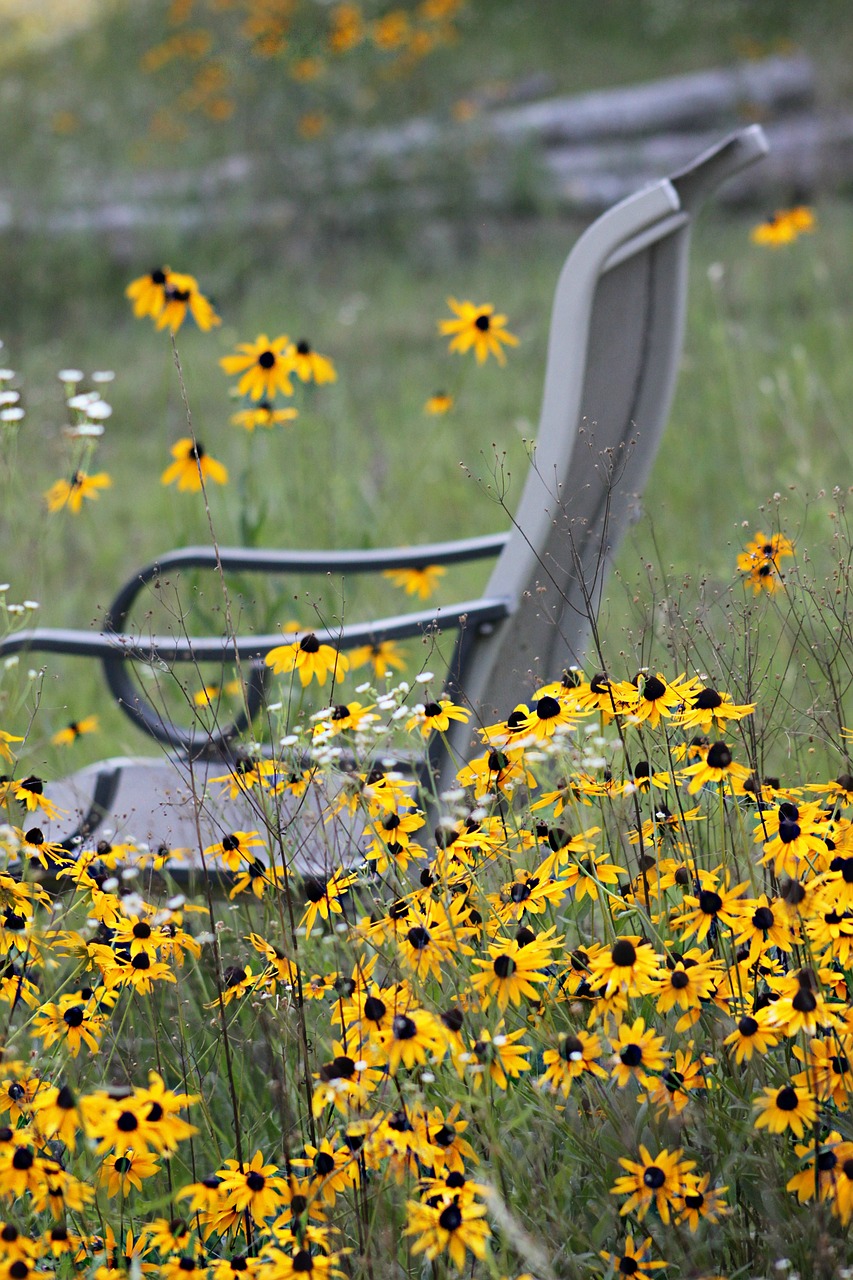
point(586, 474)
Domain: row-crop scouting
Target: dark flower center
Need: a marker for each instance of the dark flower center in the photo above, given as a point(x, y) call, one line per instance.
point(303, 348)
point(504, 966)
point(710, 902)
point(654, 1178)
point(747, 1025)
point(404, 1028)
point(303, 1261)
point(141, 929)
point(374, 1009)
point(804, 1001)
point(623, 953)
point(694, 1199)
point(323, 1164)
point(482, 323)
point(23, 1159)
point(127, 1122)
point(789, 832)
point(762, 918)
point(432, 709)
point(450, 1219)
point(719, 756)
point(34, 836)
point(255, 1181)
point(679, 980)
point(571, 1048)
point(547, 708)
point(340, 1068)
point(707, 700)
point(786, 1099)
point(73, 1017)
point(453, 1019)
point(653, 689)
point(309, 643)
point(266, 359)
point(418, 937)
point(628, 1266)
point(631, 1055)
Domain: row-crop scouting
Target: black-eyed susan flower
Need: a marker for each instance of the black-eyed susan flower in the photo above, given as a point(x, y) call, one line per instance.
point(70, 1023)
point(637, 1051)
point(167, 296)
point(74, 730)
point(439, 402)
point(413, 1038)
point(192, 467)
point(752, 1035)
point(383, 658)
point(420, 582)
point(324, 896)
point(57, 1115)
point(700, 1202)
point(265, 366)
point(454, 1225)
point(121, 1174)
point(498, 1055)
point(786, 1108)
point(716, 767)
point(670, 1092)
point(685, 983)
point(435, 717)
point(715, 901)
point(801, 1004)
point(783, 227)
point(511, 970)
point(634, 1260)
point(310, 658)
point(148, 292)
point(477, 327)
point(254, 1186)
point(828, 1068)
point(69, 494)
point(37, 848)
point(264, 415)
point(629, 966)
point(235, 848)
point(708, 710)
point(184, 297)
point(764, 923)
point(825, 1158)
point(309, 365)
point(652, 1180)
point(793, 840)
point(576, 1055)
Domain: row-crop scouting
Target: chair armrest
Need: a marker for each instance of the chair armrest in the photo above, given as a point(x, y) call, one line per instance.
point(243, 560)
point(115, 649)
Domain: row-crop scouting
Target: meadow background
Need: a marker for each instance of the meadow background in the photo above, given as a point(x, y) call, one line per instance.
point(763, 400)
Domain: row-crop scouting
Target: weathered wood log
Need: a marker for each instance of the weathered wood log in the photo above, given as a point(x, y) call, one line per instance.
point(700, 99)
point(808, 154)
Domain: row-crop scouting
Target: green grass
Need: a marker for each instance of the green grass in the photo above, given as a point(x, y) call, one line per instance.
point(760, 404)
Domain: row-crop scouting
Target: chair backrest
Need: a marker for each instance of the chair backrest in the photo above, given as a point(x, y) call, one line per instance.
point(613, 354)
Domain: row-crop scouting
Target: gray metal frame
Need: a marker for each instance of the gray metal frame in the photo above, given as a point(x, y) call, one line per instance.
point(614, 347)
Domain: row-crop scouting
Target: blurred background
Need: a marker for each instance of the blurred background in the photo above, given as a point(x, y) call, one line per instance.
point(335, 172)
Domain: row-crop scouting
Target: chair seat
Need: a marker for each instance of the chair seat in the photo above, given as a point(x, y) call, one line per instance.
point(159, 803)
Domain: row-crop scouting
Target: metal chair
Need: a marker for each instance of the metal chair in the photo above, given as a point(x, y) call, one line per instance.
point(614, 347)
